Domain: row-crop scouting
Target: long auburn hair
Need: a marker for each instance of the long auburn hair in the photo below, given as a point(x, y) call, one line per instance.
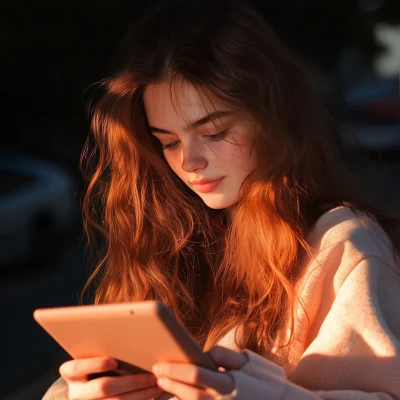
point(160, 241)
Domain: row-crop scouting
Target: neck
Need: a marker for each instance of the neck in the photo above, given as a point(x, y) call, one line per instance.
point(229, 213)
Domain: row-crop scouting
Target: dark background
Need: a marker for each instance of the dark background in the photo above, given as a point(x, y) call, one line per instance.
point(51, 54)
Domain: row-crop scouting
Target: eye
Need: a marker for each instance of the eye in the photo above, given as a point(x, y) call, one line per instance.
point(170, 146)
point(218, 136)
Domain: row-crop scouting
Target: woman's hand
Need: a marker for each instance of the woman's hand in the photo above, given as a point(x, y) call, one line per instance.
point(247, 376)
point(127, 387)
point(189, 382)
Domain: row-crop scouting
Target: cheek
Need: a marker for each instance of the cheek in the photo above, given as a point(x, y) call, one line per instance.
point(174, 161)
point(237, 157)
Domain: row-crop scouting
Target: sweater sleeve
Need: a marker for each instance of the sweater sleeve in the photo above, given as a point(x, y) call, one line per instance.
point(57, 391)
point(356, 352)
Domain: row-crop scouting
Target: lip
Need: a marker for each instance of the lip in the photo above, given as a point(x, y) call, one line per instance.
point(206, 185)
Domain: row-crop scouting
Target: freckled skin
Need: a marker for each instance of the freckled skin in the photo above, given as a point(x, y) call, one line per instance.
point(195, 154)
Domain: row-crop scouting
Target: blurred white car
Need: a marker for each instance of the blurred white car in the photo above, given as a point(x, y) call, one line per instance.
point(37, 203)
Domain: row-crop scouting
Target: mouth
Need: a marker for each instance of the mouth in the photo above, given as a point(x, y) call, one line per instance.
point(206, 186)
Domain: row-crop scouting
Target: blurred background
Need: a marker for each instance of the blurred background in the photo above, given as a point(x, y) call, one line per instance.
point(53, 51)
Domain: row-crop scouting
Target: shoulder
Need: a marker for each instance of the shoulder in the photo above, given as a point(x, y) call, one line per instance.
point(348, 324)
point(342, 238)
point(348, 312)
point(342, 224)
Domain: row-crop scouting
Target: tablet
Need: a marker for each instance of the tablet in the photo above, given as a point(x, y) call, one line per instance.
point(138, 335)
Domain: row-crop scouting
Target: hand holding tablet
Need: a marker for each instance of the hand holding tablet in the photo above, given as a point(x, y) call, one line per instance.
point(120, 339)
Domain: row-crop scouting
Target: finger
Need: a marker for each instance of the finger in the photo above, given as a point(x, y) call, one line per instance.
point(143, 394)
point(77, 370)
point(194, 375)
point(110, 386)
point(228, 358)
point(182, 391)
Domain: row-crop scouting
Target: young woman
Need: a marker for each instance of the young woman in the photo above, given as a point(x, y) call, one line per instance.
point(219, 191)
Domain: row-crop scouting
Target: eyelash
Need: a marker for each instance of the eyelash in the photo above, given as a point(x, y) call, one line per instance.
point(214, 138)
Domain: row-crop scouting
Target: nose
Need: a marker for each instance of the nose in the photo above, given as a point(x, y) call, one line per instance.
point(193, 158)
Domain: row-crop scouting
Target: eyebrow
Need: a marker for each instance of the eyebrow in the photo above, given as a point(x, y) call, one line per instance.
point(192, 125)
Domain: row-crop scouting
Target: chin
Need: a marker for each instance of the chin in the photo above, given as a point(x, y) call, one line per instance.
point(218, 203)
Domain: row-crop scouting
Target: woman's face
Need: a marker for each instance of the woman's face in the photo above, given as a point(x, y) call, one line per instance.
point(209, 151)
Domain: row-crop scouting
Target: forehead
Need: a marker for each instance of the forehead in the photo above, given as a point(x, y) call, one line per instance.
point(174, 105)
